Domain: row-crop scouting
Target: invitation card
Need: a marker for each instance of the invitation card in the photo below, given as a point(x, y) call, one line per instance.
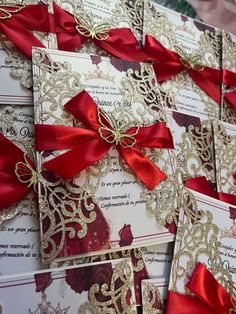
point(187, 60)
point(105, 287)
point(108, 200)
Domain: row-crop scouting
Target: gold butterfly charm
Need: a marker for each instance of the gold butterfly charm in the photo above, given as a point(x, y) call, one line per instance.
point(26, 173)
point(113, 134)
point(190, 61)
point(88, 28)
point(7, 10)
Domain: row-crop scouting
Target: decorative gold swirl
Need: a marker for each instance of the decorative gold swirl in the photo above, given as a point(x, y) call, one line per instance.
point(116, 298)
point(88, 28)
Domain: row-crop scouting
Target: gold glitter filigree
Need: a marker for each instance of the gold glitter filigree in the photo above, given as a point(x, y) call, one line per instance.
point(193, 242)
point(225, 152)
point(114, 293)
point(151, 296)
point(196, 152)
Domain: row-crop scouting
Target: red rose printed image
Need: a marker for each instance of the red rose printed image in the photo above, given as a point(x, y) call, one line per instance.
point(126, 236)
point(184, 120)
point(232, 212)
point(42, 281)
point(171, 227)
point(78, 279)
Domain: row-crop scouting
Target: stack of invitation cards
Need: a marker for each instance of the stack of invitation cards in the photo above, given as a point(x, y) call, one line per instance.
point(187, 60)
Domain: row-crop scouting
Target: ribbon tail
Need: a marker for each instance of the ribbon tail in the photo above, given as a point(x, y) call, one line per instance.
point(71, 163)
point(21, 38)
point(231, 99)
point(227, 198)
point(142, 167)
point(155, 136)
point(122, 44)
point(166, 70)
point(185, 304)
point(201, 185)
point(211, 89)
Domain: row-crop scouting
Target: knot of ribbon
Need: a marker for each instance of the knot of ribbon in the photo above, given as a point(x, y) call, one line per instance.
point(201, 185)
point(209, 296)
point(229, 78)
point(168, 63)
point(17, 21)
point(17, 174)
point(73, 31)
point(88, 146)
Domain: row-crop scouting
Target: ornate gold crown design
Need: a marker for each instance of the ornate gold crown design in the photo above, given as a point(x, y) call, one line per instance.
point(99, 74)
point(45, 307)
point(229, 233)
point(186, 29)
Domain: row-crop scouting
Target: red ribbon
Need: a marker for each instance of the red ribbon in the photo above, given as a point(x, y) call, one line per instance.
point(87, 146)
point(201, 185)
point(229, 78)
point(20, 20)
point(11, 189)
point(209, 296)
point(121, 42)
point(169, 64)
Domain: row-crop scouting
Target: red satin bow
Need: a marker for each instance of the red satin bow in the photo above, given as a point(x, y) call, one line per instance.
point(87, 146)
point(120, 42)
point(201, 185)
point(209, 296)
point(229, 78)
point(16, 21)
point(169, 63)
point(12, 190)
